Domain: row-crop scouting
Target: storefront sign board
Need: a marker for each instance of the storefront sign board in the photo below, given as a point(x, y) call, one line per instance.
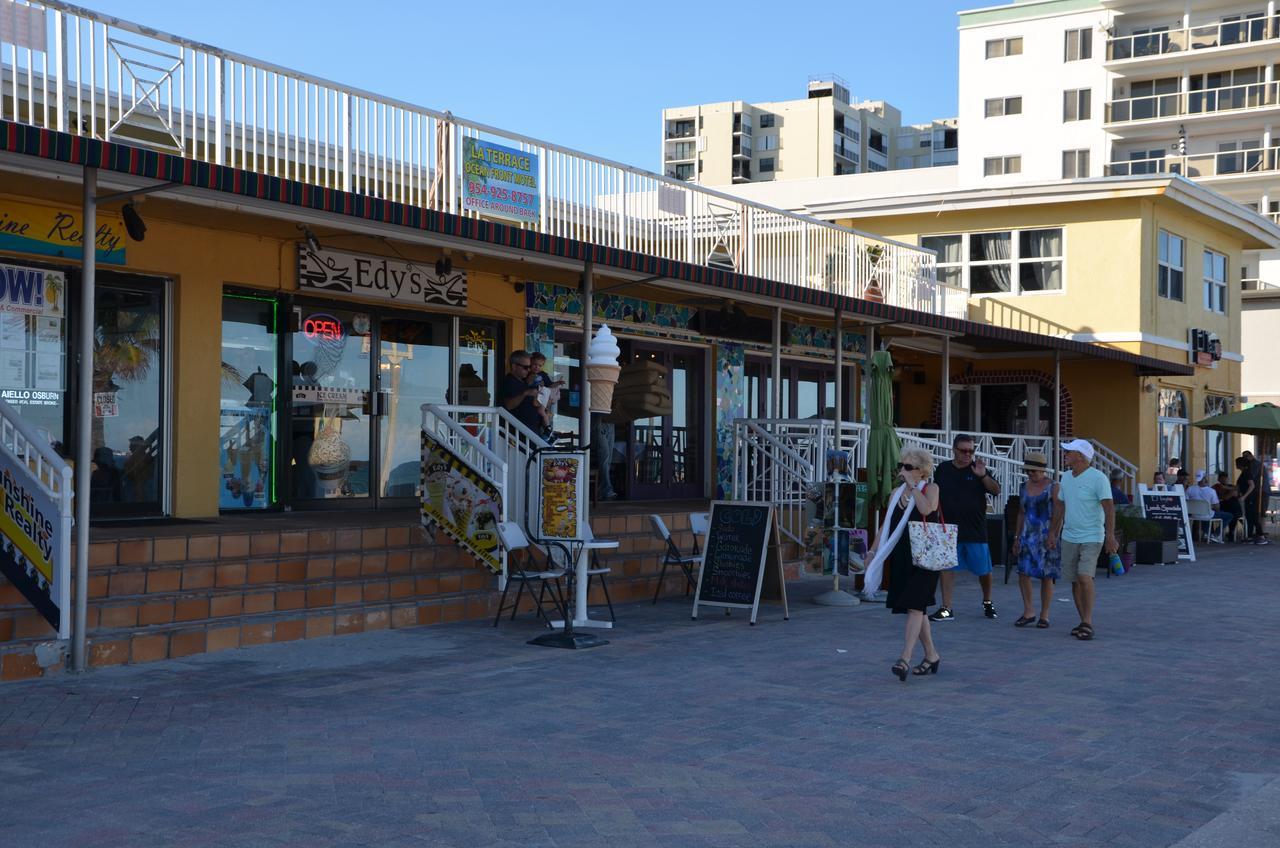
point(404, 283)
point(742, 561)
point(561, 490)
point(499, 182)
point(32, 528)
point(460, 501)
point(50, 231)
point(105, 405)
point(1168, 505)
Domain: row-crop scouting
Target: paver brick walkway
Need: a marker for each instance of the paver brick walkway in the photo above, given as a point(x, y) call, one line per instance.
point(688, 734)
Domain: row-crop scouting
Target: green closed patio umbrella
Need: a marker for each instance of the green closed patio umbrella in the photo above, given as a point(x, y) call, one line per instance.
point(883, 446)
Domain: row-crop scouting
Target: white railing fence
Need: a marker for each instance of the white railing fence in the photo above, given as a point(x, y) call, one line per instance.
point(1108, 461)
point(78, 71)
point(39, 468)
point(1204, 36)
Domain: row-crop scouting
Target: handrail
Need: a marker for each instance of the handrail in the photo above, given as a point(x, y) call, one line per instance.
point(1227, 163)
point(460, 431)
point(1220, 34)
point(1203, 101)
point(223, 107)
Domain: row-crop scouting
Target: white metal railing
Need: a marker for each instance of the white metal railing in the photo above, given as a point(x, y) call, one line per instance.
point(98, 76)
point(1254, 284)
point(1232, 98)
point(1224, 34)
point(39, 468)
point(1202, 165)
point(778, 460)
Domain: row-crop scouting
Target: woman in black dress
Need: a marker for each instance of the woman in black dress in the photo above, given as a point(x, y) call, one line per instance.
point(911, 589)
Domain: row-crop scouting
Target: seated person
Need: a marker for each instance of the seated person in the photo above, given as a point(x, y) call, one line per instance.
point(1118, 497)
point(1228, 501)
point(1202, 491)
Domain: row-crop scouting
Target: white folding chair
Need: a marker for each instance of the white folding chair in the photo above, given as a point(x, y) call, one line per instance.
point(700, 525)
point(673, 557)
point(595, 569)
point(1201, 512)
point(548, 576)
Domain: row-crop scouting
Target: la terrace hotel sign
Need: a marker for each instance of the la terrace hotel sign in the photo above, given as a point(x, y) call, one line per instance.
point(399, 281)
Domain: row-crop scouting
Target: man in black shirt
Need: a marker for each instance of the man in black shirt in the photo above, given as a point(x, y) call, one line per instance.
point(516, 395)
point(963, 486)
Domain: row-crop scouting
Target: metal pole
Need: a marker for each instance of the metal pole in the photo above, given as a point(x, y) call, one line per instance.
point(584, 399)
point(775, 396)
point(835, 597)
point(839, 411)
point(84, 415)
point(946, 386)
point(1057, 411)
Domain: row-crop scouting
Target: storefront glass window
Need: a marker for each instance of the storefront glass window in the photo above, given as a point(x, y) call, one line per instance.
point(33, 348)
point(246, 434)
point(413, 370)
point(127, 425)
point(1173, 423)
point(1217, 445)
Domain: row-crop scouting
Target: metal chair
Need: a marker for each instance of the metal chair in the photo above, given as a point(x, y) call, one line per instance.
point(595, 569)
point(513, 539)
point(699, 525)
point(673, 557)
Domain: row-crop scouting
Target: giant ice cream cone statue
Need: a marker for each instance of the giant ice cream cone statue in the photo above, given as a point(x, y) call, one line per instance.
point(602, 369)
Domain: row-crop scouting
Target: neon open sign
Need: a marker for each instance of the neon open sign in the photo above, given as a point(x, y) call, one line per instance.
point(323, 328)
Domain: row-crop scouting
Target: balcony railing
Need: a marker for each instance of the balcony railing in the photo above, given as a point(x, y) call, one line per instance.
point(1204, 165)
point(1249, 31)
point(1231, 98)
point(96, 76)
point(1252, 284)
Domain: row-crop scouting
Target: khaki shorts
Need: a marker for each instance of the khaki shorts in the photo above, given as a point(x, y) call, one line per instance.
point(1079, 558)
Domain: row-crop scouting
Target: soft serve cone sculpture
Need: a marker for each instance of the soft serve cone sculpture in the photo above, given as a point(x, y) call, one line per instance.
point(602, 369)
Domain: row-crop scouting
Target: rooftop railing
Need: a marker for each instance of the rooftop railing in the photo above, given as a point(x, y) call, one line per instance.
point(1232, 98)
point(1250, 31)
point(77, 71)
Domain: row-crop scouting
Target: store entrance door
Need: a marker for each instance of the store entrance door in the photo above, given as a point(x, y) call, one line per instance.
point(664, 456)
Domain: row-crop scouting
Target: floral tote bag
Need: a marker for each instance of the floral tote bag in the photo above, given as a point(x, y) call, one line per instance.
point(933, 544)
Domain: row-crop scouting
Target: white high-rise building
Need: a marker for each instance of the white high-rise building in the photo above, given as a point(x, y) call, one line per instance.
point(1054, 89)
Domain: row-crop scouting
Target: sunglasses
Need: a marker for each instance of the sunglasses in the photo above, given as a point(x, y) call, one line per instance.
point(523, 365)
point(966, 450)
point(903, 466)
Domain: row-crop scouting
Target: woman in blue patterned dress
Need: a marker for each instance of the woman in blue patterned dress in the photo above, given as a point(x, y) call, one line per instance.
point(1035, 512)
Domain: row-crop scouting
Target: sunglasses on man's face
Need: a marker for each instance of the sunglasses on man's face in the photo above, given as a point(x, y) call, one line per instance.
point(903, 466)
point(969, 451)
point(523, 365)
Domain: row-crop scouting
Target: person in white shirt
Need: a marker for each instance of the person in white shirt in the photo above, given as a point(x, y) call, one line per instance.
point(1202, 491)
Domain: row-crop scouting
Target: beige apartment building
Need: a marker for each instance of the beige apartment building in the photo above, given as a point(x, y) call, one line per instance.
point(824, 134)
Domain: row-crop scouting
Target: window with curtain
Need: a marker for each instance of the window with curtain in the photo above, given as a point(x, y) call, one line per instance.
point(1075, 164)
point(950, 251)
point(1215, 282)
point(1040, 260)
point(1170, 271)
point(990, 263)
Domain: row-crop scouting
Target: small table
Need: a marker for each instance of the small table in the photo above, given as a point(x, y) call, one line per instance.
point(580, 612)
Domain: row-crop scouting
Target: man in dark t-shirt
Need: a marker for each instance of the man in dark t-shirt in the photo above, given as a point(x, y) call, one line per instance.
point(963, 486)
point(516, 395)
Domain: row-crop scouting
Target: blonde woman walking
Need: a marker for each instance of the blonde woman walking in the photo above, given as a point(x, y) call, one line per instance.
point(911, 589)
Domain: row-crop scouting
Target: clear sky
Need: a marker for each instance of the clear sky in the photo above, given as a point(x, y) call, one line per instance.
point(593, 76)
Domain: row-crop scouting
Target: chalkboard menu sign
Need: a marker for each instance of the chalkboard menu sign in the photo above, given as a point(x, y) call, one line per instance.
point(741, 548)
point(1168, 505)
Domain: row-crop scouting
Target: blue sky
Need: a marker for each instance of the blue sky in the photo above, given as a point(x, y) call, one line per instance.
point(593, 76)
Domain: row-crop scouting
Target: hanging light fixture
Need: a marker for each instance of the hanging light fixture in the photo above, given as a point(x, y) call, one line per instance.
point(133, 223)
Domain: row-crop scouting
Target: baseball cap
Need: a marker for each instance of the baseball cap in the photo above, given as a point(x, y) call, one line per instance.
point(1079, 446)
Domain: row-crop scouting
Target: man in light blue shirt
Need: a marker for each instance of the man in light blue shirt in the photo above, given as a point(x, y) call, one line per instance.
point(1084, 519)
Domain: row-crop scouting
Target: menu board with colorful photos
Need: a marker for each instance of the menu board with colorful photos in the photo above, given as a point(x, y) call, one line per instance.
point(562, 483)
point(33, 336)
point(460, 501)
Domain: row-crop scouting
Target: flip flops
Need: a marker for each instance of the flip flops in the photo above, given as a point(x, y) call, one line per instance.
point(1024, 621)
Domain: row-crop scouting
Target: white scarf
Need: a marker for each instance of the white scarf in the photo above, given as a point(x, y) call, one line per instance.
point(871, 579)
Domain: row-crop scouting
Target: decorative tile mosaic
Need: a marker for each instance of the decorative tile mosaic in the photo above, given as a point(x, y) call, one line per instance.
point(731, 387)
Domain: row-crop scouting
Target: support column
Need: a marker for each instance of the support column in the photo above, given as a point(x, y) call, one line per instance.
point(584, 398)
point(84, 416)
point(775, 396)
point(1056, 460)
point(841, 489)
point(946, 387)
point(839, 410)
point(866, 368)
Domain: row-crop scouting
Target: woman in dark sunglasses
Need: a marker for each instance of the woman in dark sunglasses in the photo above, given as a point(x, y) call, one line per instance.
point(911, 589)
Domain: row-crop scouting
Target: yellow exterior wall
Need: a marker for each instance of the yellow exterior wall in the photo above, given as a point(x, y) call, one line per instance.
point(202, 252)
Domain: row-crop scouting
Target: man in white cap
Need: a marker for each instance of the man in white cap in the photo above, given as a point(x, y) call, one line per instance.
point(1084, 518)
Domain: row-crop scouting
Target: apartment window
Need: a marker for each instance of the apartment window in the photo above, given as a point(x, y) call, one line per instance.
point(1000, 47)
point(1172, 424)
point(1011, 262)
point(995, 166)
point(1075, 164)
point(767, 121)
point(926, 142)
point(766, 165)
point(682, 150)
point(1215, 282)
point(905, 163)
point(1079, 45)
point(875, 167)
point(1146, 162)
point(681, 172)
point(950, 250)
point(998, 107)
point(767, 142)
point(1076, 104)
point(1169, 273)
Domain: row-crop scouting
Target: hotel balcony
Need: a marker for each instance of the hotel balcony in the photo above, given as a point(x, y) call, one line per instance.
point(1160, 111)
point(1231, 164)
point(1208, 41)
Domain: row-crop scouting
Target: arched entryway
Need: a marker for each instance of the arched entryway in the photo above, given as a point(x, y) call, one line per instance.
point(1015, 397)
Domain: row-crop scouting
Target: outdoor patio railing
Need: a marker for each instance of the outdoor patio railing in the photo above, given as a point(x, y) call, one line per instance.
point(78, 71)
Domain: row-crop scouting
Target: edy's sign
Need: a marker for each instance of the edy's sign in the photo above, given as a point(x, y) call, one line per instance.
point(404, 283)
point(28, 228)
